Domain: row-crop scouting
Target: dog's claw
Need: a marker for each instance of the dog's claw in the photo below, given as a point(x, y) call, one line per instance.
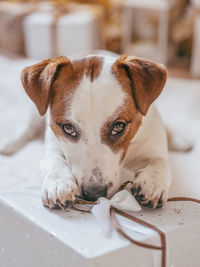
point(135, 190)
point(149, 204)
point(160, 203)
point(58, 192)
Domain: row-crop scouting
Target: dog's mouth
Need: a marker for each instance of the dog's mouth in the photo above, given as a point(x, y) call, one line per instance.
point(92, 193)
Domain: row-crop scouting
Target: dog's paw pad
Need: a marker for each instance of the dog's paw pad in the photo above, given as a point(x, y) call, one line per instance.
point(140, 198)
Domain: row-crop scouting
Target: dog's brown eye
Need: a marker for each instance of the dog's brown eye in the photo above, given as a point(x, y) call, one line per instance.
point(118, 128)
point(70, 130)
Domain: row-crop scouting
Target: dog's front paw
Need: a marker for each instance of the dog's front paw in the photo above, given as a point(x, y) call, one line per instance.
point(150, 188)
point(57, 191)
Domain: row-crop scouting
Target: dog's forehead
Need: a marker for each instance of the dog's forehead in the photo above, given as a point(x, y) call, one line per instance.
point(97, 99)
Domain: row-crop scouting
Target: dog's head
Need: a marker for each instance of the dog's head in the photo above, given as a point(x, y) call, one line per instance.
point(96, 107)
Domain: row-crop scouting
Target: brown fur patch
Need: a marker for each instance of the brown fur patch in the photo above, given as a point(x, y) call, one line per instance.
point(66, 83)
point(129, 114)
point(53, 81)
point(93, 67)
point(42, 81)
point(38, 79)
point(142, 82)
point(146, 79)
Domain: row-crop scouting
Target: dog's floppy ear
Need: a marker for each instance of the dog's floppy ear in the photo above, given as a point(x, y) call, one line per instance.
point(145, 78)
point(38, 81)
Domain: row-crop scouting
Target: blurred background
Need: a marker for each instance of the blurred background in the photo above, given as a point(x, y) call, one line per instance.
point(166, 31)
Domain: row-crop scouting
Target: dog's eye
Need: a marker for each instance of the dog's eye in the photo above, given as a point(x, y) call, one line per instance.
point(70, 130)
point(118, 128)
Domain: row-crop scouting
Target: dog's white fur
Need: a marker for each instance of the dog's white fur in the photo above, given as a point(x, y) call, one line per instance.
point(66, 165)
point(90, 108)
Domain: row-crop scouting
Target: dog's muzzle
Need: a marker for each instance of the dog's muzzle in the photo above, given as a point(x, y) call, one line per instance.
point(92, 193)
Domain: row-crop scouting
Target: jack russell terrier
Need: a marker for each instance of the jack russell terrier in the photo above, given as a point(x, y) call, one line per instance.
point(100, 123)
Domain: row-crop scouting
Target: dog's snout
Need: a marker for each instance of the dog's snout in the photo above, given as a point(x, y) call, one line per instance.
point(92, 193)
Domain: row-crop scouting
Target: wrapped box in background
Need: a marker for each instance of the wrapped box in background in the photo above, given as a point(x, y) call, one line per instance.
point(11, 30)
point(48, 34)
point(46, 29)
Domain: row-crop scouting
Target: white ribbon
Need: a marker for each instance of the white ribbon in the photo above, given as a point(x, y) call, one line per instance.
point(122, 200)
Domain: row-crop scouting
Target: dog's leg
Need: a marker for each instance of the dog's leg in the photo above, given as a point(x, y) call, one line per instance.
point(151, 183)
point(148, 159)
point(34, 130)
point(59, 186)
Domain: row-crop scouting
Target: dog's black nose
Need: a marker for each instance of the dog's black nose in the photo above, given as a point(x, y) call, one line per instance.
point(92, 193)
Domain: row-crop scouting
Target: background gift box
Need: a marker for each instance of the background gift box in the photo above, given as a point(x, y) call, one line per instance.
point(62, 31)
point(11, 32)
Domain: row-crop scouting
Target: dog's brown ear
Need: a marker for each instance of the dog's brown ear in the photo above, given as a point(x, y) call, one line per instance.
point(145, 78)
point(38, 81)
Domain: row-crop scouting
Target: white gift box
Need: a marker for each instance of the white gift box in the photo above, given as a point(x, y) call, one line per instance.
point(11, 19)
point(73, 33)
point(32, 235)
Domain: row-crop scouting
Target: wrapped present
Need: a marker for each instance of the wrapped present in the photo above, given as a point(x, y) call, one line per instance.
point(11, 32)
point(113, 29)
point(31, 233)
point(62, 30)
point(46, 29)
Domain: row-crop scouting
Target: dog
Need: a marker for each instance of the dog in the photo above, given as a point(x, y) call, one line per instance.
point(101, 124)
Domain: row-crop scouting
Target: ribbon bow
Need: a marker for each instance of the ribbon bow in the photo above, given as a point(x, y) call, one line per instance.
point(122, 200)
